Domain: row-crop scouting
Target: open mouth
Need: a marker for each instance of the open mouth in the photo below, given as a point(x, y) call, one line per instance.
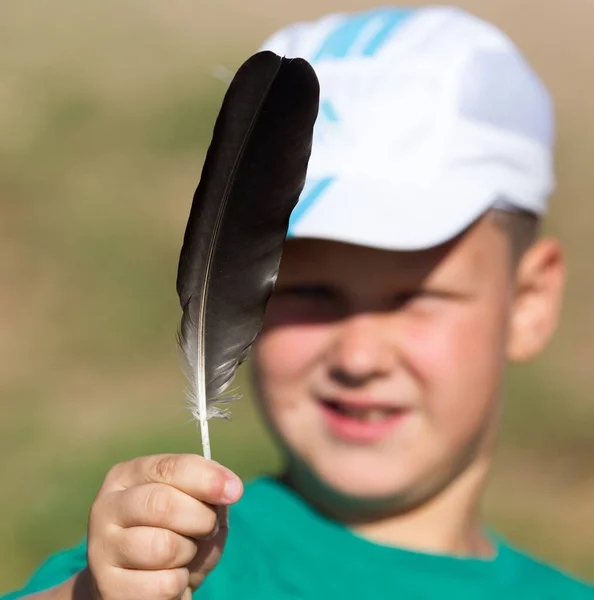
point(371, 414)
point(360, 423)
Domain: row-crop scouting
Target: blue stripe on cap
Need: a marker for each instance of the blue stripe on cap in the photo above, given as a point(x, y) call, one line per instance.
point(311, 192)
point(340, 40)
point(394, 19)
point(328, 111)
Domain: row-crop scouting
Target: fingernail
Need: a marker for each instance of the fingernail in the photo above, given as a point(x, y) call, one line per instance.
point(232, 489)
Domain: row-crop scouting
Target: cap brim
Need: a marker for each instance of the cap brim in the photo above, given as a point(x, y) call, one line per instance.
point(375, 214)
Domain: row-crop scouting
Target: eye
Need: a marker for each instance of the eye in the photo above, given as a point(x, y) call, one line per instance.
point(415, 297)
point(304, 302)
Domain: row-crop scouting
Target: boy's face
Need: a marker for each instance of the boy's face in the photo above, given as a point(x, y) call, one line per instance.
point(381, 371)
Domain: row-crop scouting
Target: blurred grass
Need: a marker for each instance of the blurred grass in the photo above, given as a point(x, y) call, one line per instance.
point(105, 114)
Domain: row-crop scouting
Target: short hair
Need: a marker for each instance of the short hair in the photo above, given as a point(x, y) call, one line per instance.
point(522, 228)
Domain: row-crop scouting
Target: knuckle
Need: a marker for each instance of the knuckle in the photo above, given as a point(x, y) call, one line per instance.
point(158, 503)
point(100, 547)
point(94, 551)
point(98, 513)
point(114, 474)
point(165, 467)
point(95, 512)
point(163, 547)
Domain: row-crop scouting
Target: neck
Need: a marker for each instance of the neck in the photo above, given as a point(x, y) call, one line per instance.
point(449, 523)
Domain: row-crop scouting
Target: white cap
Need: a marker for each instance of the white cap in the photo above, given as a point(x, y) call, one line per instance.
point(428, 117)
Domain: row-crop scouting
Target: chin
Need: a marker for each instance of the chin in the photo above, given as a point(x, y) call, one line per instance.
point(364, 483)
point(352, 493)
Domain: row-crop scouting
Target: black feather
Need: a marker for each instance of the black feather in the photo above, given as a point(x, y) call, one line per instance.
point(252, 177)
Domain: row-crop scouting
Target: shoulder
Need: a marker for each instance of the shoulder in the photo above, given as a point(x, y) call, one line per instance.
point(546, 580)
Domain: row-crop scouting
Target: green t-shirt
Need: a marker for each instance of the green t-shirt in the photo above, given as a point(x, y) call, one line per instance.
point(280, 548)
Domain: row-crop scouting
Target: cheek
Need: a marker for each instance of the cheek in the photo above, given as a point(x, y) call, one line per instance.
point(459, 357)
point(286, 356)
point(285, 360)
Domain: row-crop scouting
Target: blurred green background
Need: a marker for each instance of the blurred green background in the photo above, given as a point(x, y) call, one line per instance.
point(106, 110)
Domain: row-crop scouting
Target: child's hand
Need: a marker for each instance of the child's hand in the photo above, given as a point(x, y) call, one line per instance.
point(155, 531)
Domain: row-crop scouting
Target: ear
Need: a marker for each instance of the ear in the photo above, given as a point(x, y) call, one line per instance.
point(540, 284)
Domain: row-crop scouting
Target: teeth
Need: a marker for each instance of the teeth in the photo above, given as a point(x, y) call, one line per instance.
point(367, 415)
point(375, 415)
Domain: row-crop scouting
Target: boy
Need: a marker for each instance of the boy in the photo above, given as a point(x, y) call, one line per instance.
point(411, 276)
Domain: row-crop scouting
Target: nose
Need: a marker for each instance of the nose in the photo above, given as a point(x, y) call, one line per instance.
point(361, 350)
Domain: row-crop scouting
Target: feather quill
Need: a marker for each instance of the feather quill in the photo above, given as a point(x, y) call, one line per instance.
point(252, 177)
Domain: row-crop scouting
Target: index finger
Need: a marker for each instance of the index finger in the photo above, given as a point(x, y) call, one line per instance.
point(205, 480)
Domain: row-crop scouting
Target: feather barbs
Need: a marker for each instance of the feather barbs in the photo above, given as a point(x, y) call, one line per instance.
point(252, 177)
